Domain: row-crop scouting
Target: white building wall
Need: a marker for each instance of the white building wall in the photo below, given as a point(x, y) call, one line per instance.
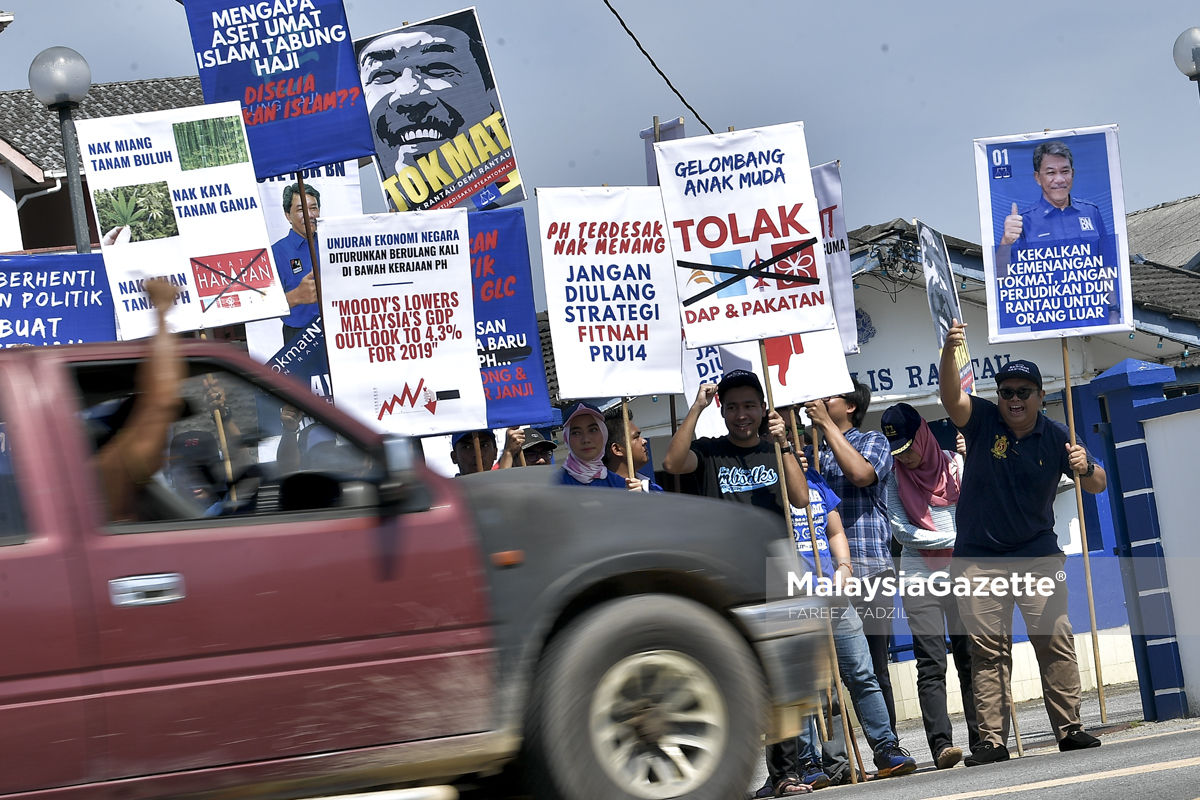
point(10, 225)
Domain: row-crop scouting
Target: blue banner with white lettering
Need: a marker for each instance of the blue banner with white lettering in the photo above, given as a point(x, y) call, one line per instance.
point(60, 298)
point(506, 329)
point(290, 63)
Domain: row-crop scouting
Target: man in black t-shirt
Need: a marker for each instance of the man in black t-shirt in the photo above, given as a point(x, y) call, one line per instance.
point(741, 466)
point(1005, 522)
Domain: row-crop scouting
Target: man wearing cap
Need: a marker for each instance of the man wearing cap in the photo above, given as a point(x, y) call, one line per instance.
point(856, 464)
point(462, 450)
point(922, 495)
point(741, 466)
point(1015, 456)
point(537, 448)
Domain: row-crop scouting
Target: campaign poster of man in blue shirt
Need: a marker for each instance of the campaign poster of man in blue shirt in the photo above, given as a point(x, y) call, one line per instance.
point(1054, 234)
point(293, 259)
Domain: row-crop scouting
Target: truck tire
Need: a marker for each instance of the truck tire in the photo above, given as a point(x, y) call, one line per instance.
point(648, 697)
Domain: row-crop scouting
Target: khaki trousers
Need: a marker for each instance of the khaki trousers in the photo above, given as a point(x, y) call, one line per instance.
point(988, 621)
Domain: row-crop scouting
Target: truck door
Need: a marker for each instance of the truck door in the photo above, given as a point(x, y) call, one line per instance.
point(43, 739)
point(259, 606)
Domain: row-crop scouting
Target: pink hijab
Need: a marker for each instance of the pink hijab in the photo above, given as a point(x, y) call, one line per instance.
point(576, 467)
point(931, 483)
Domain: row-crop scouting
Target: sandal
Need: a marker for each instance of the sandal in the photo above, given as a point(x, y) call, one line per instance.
point(790, 786)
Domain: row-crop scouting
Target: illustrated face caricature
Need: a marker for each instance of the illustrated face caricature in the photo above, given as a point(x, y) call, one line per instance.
point(423, 88)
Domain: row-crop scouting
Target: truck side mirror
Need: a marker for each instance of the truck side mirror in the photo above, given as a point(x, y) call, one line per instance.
point(401, 492)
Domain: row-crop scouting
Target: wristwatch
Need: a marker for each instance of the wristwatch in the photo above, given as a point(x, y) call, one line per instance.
point(787, 448)
point(1091, 470)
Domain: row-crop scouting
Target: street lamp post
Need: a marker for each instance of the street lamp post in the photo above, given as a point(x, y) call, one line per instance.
point(60, 79)
point(1187, 54)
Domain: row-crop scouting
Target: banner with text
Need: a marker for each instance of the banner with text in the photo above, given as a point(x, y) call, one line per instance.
point(57, 298)
point(506, 327)
point(942, 290)
point(174, 196)
point(441, 135)
point(610, 292)
point(290, 65)
point(395, 295)
point(1055, 251)
point(745, 234)
point(827, 183)
point(803, 367)
point(339, 195)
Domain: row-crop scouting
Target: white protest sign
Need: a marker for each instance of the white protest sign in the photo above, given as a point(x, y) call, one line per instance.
point(610, 291)
point(396, 298)
point(827, 182)
point(803, 367)
point(341, 196)
point(734, 202)
point(174, 195)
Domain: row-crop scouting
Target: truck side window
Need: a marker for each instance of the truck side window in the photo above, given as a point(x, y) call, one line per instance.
point(12, 520)
point(236, 451)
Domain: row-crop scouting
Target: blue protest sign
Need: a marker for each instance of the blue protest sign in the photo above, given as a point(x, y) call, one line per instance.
point(506, 331)
point(58, 298)
point(305, 358)
point(290, 63)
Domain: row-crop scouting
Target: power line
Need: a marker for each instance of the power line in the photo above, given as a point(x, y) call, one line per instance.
point(656, 67)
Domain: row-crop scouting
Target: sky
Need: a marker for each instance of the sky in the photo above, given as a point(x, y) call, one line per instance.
point(896, 91)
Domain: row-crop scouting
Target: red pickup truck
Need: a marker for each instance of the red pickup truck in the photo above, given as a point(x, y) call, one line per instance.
point(298, 607)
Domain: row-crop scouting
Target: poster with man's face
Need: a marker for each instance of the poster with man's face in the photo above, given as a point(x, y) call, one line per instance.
point(943, 297)
point(1055, 253)
point(441, 136)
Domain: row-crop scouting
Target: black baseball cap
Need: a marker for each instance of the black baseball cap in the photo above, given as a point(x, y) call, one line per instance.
point(534, 438)
point(900, 424)
point(738, 377)
point(1020, 369)
point(487, 435)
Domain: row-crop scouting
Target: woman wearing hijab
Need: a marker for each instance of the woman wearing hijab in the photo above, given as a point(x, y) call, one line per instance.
point(586, 433)
point(922, 493)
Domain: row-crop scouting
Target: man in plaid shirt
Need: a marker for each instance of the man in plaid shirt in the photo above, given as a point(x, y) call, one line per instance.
point(856, 465)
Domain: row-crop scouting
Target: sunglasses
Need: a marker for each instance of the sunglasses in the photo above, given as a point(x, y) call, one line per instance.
point(1022, 393)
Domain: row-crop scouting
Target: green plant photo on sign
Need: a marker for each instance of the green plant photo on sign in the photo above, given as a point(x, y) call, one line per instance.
point(135, 213)
point(210, 143)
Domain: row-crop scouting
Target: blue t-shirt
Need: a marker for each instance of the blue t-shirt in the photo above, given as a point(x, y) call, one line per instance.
point(822, 500)
point(294, 263)
point(1006, 505)
point(612, 479)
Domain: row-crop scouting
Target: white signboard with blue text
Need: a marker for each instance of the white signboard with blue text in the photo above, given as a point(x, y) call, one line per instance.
point(1055, 252)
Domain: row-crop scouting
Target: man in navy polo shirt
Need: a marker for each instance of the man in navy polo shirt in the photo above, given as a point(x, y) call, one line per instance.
point(1005, 520)
point(294, 261)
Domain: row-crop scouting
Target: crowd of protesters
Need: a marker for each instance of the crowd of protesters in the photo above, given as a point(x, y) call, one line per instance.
point(880, 502)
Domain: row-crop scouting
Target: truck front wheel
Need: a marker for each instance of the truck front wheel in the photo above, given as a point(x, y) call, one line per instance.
point(647, 697)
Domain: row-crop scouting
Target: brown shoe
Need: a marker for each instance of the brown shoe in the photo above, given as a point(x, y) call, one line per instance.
point(948, 756)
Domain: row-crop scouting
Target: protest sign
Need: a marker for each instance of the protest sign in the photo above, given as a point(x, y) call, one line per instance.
point(56, 298)
point(803, 367)
point(441, 135)
point(396, 292)
point(610, 291)
point(174, 196)
point(338, 195)
point(290, 66)
point(827, 183)
point(1055, 253)
point(743, 218)
point(942, 290)
point(506, 329)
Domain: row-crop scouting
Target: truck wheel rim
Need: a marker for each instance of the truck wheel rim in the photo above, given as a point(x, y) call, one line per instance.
point(658, 724)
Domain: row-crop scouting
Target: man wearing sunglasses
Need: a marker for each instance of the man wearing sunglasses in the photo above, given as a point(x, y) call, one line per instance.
point(1005, 520)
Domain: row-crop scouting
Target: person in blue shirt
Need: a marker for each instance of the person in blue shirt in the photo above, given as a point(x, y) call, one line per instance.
point(853, 651)
point(586, 432)
point(614, 449)
point(293, 259)
point(1057, 216)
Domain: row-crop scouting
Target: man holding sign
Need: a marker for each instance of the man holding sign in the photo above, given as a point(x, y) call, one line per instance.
point(1005, 519)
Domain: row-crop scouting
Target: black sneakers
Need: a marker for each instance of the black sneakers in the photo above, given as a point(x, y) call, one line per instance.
point(1077, 740)
point(987, 753)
